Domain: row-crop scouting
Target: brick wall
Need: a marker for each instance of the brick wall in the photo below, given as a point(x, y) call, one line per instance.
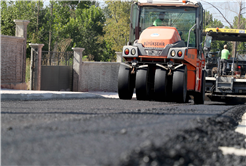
point(12, 62)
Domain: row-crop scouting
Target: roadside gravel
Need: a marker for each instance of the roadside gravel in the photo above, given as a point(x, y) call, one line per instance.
point(197, 146)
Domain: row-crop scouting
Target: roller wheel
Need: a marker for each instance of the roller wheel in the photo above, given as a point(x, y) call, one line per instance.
point(160, 84)
point(200, 96)
point(179, 84)
point(142, 85)
point(125, 82)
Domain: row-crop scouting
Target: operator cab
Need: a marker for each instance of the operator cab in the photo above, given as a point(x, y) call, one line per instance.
point(175, 14)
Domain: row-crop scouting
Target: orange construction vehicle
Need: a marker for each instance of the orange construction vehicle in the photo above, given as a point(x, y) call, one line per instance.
point(164, 56)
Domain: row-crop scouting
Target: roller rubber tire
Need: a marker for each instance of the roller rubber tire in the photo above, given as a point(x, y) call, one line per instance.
point(160, 84)
point(125, 82)
point(179, 84)
point(142, 86)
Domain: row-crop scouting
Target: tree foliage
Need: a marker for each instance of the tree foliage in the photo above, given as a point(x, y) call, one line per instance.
point(60, 26)
point(117, 23)
point(242, 25)
point(211, 22)
point(18, 10)
point(85, 30)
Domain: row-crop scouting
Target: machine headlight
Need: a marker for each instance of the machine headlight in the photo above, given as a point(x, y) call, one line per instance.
point(133, 51)
point(173, 53)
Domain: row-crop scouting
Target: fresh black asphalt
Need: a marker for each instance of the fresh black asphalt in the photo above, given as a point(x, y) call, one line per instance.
point(118, 132)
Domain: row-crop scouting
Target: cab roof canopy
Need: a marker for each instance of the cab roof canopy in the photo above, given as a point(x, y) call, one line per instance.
point(179, 3)
point(226, 34)
point(169, 1)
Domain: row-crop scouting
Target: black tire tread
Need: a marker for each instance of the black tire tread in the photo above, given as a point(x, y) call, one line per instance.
point(179, 84)
point(160, 84)
point(142, 87)
point(125, 83)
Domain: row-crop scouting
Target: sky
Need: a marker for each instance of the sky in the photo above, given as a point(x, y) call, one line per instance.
point(227, 7)
point(46, 2)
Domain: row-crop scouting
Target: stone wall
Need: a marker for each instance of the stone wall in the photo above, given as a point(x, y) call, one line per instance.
point(13, 57)
point(95, 76)
point(99, 76)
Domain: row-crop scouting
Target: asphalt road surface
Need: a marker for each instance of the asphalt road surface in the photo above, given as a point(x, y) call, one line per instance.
point(118, 132)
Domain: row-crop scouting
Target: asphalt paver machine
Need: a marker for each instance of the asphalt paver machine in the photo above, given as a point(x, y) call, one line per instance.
point(164, 63)
point(232, 85)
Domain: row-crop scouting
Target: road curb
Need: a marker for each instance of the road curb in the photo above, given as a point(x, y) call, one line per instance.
point(41, 95)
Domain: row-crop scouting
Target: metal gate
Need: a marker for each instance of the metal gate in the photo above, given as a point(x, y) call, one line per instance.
point(56, 71)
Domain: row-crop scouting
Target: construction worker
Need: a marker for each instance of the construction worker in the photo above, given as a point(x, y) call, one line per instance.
point(225, 54)
point(160, 21)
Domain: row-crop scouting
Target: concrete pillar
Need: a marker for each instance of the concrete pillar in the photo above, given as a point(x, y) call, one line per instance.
point(21, 28)
point(35, 71)
point(119, 56)
point(21, 31)
point(77, 62)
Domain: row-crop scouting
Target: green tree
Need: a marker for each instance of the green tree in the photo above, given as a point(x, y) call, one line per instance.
point(107, 53)
point(211, 22)
point(85, 30)
point(7, 19)
point(240, 25)
point(78, 4)
point(117, 23)
point(56, 17)
point(18, 10)
point(60, 26)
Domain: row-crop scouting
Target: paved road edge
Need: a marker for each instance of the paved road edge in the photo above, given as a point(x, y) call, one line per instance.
point(47, 96)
